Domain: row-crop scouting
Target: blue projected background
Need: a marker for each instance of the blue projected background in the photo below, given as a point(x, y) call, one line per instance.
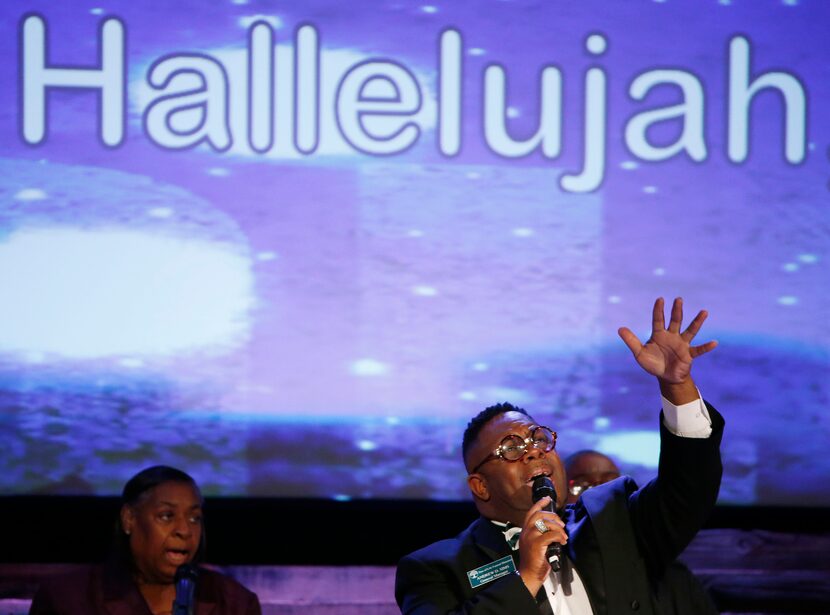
point(292, 247)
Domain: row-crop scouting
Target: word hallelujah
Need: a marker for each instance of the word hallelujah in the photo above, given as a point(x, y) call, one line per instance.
point(379, 107)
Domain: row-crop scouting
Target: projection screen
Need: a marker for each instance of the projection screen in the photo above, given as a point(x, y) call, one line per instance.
point(292, 247)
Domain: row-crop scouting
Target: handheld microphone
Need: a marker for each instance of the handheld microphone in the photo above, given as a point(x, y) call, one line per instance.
point(185, 579)
point(543, 486)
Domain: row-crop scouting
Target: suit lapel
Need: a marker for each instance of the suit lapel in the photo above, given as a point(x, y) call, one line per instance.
point(623, 569)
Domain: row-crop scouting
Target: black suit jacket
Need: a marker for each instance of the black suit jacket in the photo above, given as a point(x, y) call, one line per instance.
point(621, 541)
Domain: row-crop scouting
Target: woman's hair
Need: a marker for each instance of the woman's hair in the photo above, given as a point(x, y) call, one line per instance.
point(136, 488)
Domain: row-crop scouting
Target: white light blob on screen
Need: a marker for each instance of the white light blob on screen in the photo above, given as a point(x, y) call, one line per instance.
point(602, 422)
point(523, 232)
point(369, 367)
point(424, 291)
point(87, 294)
point(640, 447)
point(366, 445)
point(160, 212)
point(30, 194)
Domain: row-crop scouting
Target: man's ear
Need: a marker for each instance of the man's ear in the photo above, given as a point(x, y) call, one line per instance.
point(478, 486)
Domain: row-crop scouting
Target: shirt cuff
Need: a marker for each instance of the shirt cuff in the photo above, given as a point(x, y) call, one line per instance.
point(689, 420)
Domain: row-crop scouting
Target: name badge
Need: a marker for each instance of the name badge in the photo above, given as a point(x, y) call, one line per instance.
point(491, 572)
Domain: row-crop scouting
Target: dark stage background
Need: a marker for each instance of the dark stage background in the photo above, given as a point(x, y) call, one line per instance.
point(306, 532)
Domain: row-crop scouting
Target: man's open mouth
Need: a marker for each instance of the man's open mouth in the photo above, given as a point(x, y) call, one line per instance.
point(536, 473)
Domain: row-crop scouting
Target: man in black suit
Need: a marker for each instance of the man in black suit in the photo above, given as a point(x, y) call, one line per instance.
point(679, 592)
point(616, 541)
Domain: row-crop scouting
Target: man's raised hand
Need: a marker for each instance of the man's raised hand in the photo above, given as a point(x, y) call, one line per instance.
point(668, 353)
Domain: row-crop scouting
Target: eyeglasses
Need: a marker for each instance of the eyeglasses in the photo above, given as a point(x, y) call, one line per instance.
point(513, 447)
point(576, 486)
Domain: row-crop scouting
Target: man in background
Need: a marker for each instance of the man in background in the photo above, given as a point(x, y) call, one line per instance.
point(588, 468)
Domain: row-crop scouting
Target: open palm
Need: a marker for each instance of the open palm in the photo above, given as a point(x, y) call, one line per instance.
point(668, 353)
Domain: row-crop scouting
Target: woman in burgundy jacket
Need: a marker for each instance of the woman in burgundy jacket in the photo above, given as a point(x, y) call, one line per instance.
point(159, 531)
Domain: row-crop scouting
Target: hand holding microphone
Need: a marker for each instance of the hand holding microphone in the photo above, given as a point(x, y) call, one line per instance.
point(542, 486)
point(541, 529)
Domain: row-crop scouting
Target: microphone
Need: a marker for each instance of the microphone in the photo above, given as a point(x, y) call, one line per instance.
point(543, 486)
point(185, 579)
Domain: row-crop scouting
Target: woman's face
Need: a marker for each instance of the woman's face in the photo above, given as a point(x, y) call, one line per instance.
point(164, 529)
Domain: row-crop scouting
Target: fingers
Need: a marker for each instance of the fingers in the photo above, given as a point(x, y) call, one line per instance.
point(658, 319)
point(538, 506)
point(696, 351)
point(676, 315)
point(556, 528)
point(695, 325)
point(537, 541)
point(534, 542)
point(543, 526)
point(658, 324)
point(692, 330)
point(631, 340)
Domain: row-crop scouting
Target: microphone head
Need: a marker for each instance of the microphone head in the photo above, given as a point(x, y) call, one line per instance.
point(183, 603)
point(186, 572)
point(543, 486)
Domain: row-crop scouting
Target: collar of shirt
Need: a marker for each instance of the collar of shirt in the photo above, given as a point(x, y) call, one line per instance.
point(574, 600)
point(511, 533)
